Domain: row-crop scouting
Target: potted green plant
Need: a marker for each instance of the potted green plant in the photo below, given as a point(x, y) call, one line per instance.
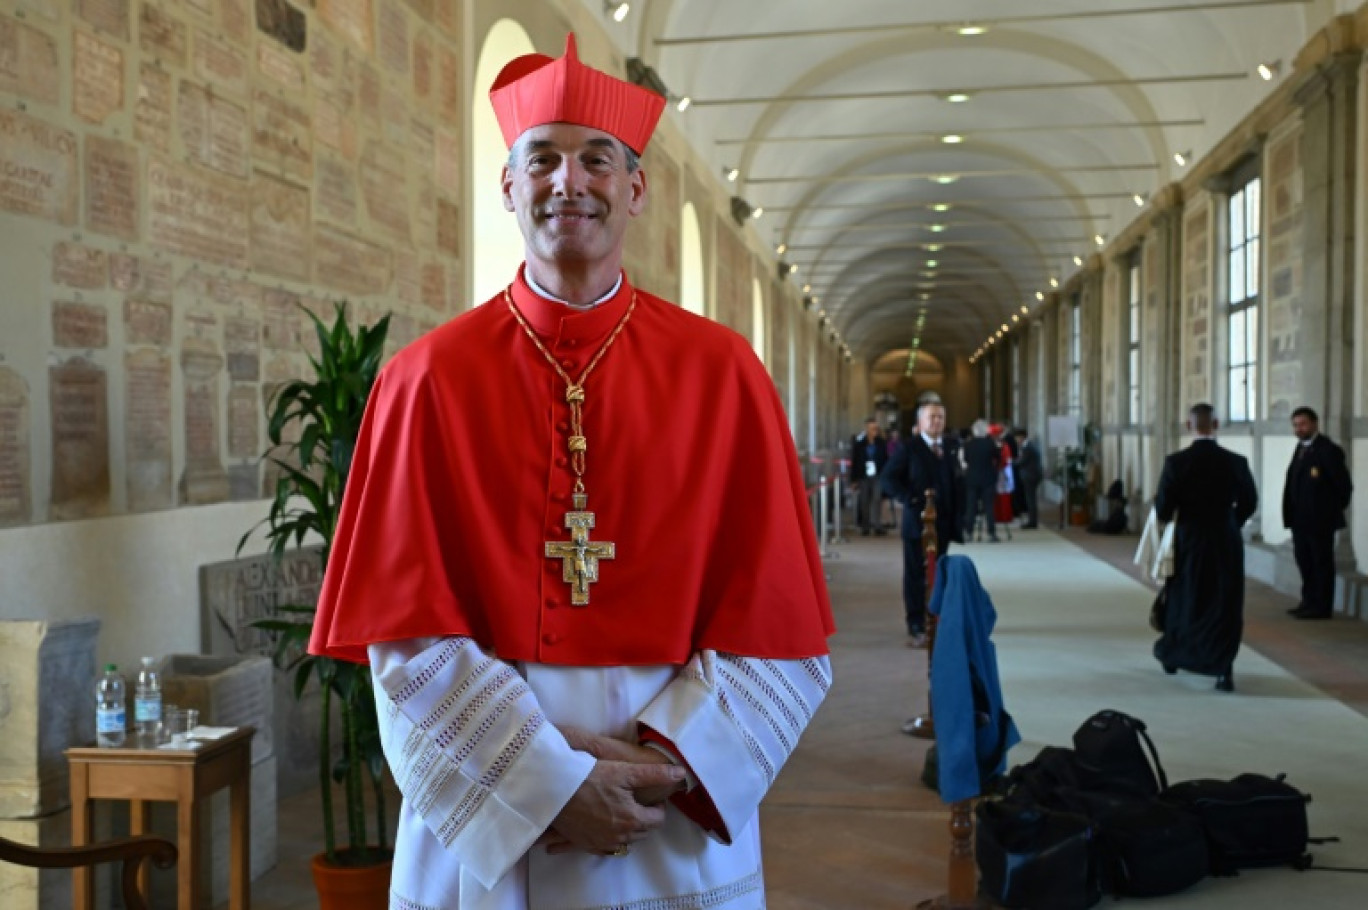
point(323, 416)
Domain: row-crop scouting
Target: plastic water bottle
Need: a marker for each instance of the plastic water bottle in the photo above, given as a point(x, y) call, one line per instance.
point(109, 709)
point(147, 701)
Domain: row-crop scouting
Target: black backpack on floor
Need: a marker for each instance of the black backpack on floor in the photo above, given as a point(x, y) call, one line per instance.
point(1035, 859)
point(1250, 821)
point(1145, 847)
point(1115, 744)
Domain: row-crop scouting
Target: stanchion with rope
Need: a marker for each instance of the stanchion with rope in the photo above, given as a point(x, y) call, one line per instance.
point(838, 536)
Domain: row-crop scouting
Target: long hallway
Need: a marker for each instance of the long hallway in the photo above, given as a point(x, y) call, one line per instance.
point(850, 826)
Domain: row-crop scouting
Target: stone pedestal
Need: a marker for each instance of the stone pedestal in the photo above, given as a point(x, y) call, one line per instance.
point(47, 703)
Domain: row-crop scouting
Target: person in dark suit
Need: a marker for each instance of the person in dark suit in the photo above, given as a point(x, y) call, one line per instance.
point(868, 455)
point(927, 460)
point(981, 458)
point(1211, 492)
point(1315, 495)
point(1030, 472)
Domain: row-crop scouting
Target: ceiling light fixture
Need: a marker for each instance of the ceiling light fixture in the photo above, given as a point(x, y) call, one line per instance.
point(1040, 295)
point(970, 30)
point(682, 104)
point(781, 249)
point(1025, 309)
point(618, 11)
point(931, 263)
point(1099, 240)
point(1139, 200)
point(759, 210)
point(934, 247)
point(937, 228)
point(952, 139)
point(941, 207)
point(1078, 260)
point(1181, 158)
point(958, 97)
point(1054, 282)
point(807, 289)
point(1267, 71)
point(731, 173)
point(945, 179)
point(1016, 318)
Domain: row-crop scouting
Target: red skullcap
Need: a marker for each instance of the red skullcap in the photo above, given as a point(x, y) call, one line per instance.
point(535, 89)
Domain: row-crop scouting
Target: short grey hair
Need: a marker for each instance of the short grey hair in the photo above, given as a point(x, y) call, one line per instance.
point(980, 427)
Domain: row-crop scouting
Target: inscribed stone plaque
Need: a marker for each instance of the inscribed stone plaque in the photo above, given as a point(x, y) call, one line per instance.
point(97, 78)
point(79, 325)
point(236, 17)
point(335, 128)
point(111, 184)
point(28, 62)
point(394, 110)
point(336, 191)
point(280, 316)
point(384, 187)
point(152, 113)
point(235, 595)
point(449, 84)
point(280, 66)
point(280, 227)
point(203, 7)
point(80, 440)
point(368, 93)
point(447, 161)
point(147, 428)
point(408, 276)
point(394, 37)
point(422, 65)
point(196, 215)
point(78, 266)
point(434, 286)
point(213, 129)
point(349, 263)
point(281, 21)
point(202, 326)
point(447, 13)
point(204, 480)
point(325, 62)
point(281, 134)
point(422, 147)
point(107, 15)
point(422, 7)
point(220, 62)
point(14, 449)
point(352, 18)
point(162, 35)
point(449, 228)
point(147, 322)
point(242, 342)
point(425, 212)
point(38, 168)
point(244, 431)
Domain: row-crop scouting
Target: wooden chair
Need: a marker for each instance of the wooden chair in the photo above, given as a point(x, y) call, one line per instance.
point(130, 851)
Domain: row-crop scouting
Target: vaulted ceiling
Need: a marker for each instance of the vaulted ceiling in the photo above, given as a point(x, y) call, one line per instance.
point(956, 156)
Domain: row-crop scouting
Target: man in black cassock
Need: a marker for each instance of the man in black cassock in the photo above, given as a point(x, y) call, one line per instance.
point(929, 460)
point(1211, 492)
point(1315, 496)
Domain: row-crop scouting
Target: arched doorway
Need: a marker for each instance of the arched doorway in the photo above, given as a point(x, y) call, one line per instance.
point(691, 294)
point(501, 244)
point(758, 321)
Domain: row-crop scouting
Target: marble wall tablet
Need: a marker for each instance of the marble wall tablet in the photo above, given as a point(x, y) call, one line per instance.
point(349, 263)
point(162, 36)
point(147, 322)
point(336, 191)
point(97, 78)
point(38, 168)
point(213, 129)
point(422, 65)
point(394, 37)
point(28, 62)
point(221, 63)
point(368, 93)
point(244, 424)
point(236, 18)
point(384, 186)
point(79, 325)
point(447, 14)
point(76, 265)
point(15, 500)
point(449, 228)
point(434, 286)
point(113, 197)
point(197, 215)
point(204, 480)
point(80, 440)
point(147, 429)
point(449, 85)
point(353, 18)
point(280, 66)
point(242, 343)
point(281, 320)
point(109, 16)
point(282, 135)
point(152, 113)
point(280, 227)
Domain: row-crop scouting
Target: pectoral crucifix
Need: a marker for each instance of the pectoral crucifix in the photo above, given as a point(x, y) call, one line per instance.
point(580, 555)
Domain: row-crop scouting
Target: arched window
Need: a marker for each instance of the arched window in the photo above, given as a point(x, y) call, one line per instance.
point(500, 242)
point(691, 294)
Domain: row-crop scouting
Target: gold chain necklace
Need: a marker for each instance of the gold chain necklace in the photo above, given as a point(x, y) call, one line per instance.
point(580, 556)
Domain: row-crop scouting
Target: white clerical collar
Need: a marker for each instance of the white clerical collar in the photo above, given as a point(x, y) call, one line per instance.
point(931, 443)
point(1307, 442)
point(542, 292)
point(1209, 437)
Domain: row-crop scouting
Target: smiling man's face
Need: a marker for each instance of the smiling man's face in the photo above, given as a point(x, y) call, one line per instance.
point(574, 195)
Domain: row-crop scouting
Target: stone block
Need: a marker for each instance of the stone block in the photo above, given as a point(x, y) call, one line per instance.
point(47, 704)
point(22, 888)
point(215, 847)
point(227, 692)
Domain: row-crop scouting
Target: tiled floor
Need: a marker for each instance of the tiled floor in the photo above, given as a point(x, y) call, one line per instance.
point(848, 826)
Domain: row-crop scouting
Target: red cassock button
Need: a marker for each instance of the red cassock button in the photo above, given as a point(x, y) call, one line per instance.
point(560, 461)
point(568, 363)
point(552, 638)
point(563, 426)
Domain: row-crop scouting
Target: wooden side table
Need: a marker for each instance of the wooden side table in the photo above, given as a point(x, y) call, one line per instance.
point(186, 778)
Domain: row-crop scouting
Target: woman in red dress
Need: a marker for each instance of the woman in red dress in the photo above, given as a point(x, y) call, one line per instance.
point(1003, 512)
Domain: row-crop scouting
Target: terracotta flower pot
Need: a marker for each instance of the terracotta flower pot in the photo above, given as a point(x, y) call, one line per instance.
point(351, 888)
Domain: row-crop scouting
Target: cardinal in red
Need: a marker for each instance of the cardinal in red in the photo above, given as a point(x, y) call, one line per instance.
point(576, 552)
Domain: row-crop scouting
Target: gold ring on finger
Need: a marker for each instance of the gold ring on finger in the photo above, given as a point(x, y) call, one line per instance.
point(621, 851)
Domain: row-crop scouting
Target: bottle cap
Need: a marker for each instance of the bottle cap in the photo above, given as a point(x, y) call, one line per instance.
point(148, 661)
point(111, 668)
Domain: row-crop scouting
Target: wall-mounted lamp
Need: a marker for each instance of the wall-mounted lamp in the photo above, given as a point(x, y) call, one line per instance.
point(731, 173)
point(1078, 260)
point(618, 11)
point(1099, 240)
point(952, 139)
point(1267, 71)
point(741, 210)
point(682, 104)
point(1182, 158)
